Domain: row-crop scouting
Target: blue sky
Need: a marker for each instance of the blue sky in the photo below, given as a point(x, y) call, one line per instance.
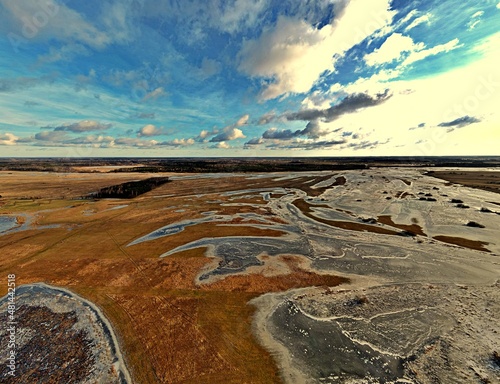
point(249, 77)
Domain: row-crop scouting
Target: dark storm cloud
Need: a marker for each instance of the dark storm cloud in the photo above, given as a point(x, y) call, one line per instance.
point(312, 131)
point(255, 141)
point(350, 104)
point(267, 118)
point(460, 122)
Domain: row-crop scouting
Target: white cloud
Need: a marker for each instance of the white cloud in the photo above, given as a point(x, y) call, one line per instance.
point(204, 134)
point(396, 46)
point(419, 20)
point(8, 139)
point(154, 94)
point(294, 54)
point(231, 132)
point(392, 49)
point(422, 54)
point(150, 130)
point(132, 142)
point(93, 140)
point(242, 120)
point(471, 92)
point(475, 20)
point(179, 142)
point(222, 145)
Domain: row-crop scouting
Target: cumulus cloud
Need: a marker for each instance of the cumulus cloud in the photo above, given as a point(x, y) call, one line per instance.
point(392, 49)
point(8, 139)
point(294, 54)
point(350, 104)
point(204, 134)
point(399, 47)
point(283, 134)
point(231, 132)
point(460, 122)
point(312, 131)
point(83, 126)
point(254, 141)
point(152, 130)
point(221, 145)
point(178, 142)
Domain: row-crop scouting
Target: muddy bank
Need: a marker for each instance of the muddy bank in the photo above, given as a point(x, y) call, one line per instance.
point(60, 337)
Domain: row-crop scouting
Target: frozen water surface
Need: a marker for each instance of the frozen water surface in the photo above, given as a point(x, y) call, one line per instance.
point(7, 223)
point(419, 301)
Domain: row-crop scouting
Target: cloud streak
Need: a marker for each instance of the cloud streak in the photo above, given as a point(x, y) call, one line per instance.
point(460, 122)
point(83, 126)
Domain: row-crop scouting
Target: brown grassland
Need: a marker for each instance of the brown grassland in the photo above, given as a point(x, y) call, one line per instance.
point(171, 330)
point(487, 180)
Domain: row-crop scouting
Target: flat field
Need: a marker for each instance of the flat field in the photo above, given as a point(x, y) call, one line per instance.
point(234, 278)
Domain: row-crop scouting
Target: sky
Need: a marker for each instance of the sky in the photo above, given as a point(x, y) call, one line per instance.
point(189, 78)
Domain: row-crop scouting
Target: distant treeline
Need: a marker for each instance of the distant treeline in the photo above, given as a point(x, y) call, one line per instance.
point(129, 190)
point(240, 164)
point(230, 166)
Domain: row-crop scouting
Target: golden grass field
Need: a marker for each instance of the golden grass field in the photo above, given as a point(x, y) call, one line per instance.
point(171, 330)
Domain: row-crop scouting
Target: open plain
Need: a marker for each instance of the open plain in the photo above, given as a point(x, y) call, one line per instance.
point(352, 276)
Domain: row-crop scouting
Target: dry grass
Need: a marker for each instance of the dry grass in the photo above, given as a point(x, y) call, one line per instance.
point(414, 228)
point(171, 330)
point(305, 207)
point(298, 276)
point(472, 244)
point(488, 181)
